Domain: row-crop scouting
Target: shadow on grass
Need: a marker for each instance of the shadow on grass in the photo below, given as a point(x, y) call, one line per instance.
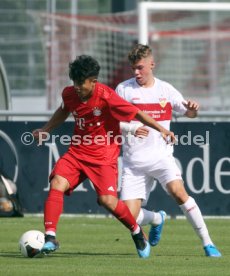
point(82, 253)
point(74, 254)
point(64, 254)
point(10, 255)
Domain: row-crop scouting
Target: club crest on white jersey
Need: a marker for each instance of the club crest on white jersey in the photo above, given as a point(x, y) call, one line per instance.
point(162, 102)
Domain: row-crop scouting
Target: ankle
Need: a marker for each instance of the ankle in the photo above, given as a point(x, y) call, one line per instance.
point(50, 233)
point(136, 230)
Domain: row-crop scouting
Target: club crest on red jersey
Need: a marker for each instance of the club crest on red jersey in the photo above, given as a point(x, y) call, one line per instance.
point(162, 102)
point(96, 111)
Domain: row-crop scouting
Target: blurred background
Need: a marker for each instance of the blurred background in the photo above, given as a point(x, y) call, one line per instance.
point(38, 39)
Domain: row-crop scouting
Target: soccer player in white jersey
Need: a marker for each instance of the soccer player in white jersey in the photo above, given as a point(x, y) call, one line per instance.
point(146, 155)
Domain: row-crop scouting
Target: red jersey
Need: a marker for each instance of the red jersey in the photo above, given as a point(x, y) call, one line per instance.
point(97, 136)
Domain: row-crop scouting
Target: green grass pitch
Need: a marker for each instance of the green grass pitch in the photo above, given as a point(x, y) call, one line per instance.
point(102, 246)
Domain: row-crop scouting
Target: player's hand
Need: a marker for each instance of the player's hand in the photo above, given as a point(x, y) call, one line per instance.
point(39, 134)
point(191, 105)
point(141, 132)
point(192, 108)
point(36, 133)
point(169, 137)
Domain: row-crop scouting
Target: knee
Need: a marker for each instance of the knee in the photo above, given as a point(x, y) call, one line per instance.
point(108, 201)
point(59, 183)
point(178, 192)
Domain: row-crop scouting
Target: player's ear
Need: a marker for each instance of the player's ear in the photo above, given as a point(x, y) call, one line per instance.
point(94, 80)
point(152, 64)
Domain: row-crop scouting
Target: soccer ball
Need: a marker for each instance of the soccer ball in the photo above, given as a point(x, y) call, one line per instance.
point(31, 242)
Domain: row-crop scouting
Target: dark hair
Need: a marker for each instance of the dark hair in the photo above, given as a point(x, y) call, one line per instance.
point(138, 52)
point(83, 67)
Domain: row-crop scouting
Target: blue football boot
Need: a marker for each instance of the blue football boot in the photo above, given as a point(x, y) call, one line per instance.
point(156, 230)
point(50, 244)
point(142, 245)
point(211, 251)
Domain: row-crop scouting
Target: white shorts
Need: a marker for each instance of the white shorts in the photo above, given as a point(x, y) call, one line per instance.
point(137, 184)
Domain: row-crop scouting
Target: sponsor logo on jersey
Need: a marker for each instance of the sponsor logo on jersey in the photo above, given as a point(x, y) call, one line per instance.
point(135, 99)
point(156, 111)
point(80, 123)
point(96, 111)
point(162, 102)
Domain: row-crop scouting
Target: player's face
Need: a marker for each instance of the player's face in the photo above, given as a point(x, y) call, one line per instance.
point(143, 71)
point(85, 89)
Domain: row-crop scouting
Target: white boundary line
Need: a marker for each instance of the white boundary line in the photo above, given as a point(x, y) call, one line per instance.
point(205, 217)
point(110, 216)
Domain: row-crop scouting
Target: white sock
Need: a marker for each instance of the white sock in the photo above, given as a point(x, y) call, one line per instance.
point(148, 217)
point(136, 231)
point(51, 233)
point(194, 216)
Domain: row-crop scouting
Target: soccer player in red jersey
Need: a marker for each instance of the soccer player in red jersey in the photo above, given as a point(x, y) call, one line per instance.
point(157, 98)
point(94, 148)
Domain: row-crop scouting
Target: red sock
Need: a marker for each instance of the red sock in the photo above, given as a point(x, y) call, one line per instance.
point(123, 214)
point(53, 209)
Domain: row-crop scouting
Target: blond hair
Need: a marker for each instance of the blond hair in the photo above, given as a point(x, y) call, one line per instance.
point(138, 52)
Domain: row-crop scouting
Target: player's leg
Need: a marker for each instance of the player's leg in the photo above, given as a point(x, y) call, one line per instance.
point(62, 179)
point(119, 210)
point(171, 180)
point(135, 190)
point(52, 211)
point(134, 206)
point(122, 213)
point(193, 214)
point(104, 179)
point(146, 217)
point(142, 215)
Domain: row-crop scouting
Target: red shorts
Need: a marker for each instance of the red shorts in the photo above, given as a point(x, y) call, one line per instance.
point(103, 177)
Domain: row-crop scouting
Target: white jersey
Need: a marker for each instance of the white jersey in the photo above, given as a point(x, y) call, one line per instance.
point(158, 102)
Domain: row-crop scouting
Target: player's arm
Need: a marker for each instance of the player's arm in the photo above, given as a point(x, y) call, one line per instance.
point(59, 116)
point(121, 109)
point(192, 108)
point(148, 121)
point(136, 129)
